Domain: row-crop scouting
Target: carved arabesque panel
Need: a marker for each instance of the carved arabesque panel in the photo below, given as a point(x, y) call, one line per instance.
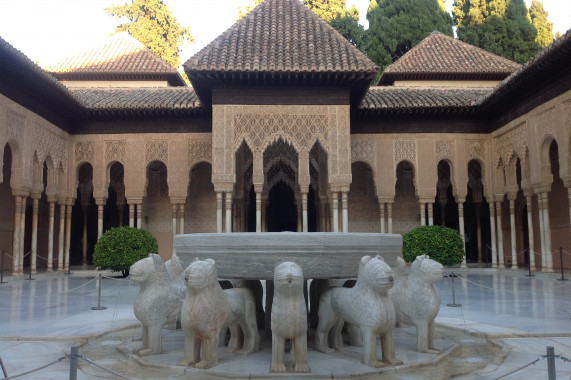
point(199, 151)
point(84, 151)
point(115, 151)
point(475, 149)
point(14, 126)
point(363, 151)
point(513, 141)
point(157, 150)
point(47, 143)
point(444, 149)
point(405, 150)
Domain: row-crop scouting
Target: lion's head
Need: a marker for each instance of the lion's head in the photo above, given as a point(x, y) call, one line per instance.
point(288, 275)
point(144, 269)
point(200, 273)
point(426, 269)
point(375, 273)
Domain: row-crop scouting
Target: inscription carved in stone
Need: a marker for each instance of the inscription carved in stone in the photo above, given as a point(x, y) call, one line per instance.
point(115, 151)
point(405, 150)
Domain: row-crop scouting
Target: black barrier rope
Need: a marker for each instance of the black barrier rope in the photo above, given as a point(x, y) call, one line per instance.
point(103, 368)
point(520, 368)
point(37, 369)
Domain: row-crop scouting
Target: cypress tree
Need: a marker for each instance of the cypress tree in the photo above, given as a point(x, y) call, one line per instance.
point(539, 20)
point(395, 26)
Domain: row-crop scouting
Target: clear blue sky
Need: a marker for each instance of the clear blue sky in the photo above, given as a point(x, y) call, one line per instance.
point(50, 30)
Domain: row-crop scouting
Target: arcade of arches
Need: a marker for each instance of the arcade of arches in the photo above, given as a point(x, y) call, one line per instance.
point(276, 168)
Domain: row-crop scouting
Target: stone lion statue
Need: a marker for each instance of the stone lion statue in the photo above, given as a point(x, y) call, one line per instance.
point(367, 306)
point(417, 301)
point(289, 318)
point(156, 304)
point(207, 309)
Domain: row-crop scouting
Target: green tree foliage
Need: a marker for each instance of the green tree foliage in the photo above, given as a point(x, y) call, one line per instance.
point(395, 26)
point(498, 26)
point(332, 9)
point(119, 248)
point(248, 8)
point(442, 244)
point(351, 30)
point(151, 22)
point(539, 20)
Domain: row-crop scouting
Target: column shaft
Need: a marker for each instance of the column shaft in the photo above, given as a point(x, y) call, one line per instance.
point(461, 226)
point(61, 241)
point(345, 210)
point(304, 225)
point(390, 216)
point(430, 214)
point(512, 230)
point(501, 262)
point(382, 212)
point(68, 210)
point(530, 232)
point(493, 234)
point(139, 209)
point(547, 231)
point(131, 215)
point(174, 208)
point(181, 218)
point(422, 214)
point(335, 212)
point(16, 236)
point(218, 212)
point(258, 211)
point(21, 243)
point(100, 220)
point(34, 255)
point(51, 237)
point(228, 211)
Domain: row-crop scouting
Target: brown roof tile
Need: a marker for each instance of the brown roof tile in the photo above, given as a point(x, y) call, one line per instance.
point(120, 54)
point(439, 56)
point(167, 99)
point(280, 40)
point(398, 100)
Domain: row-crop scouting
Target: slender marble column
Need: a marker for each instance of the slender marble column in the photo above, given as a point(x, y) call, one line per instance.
point(501, 262)
point(16, 236)
point(139, 215)
point(530, 231)
point(100, 207)
point(219, 211)
point(493, 234)
point(131, 215)
point(430, 214)
point(34, 254)
point(422, 213)
point(345, 210)
point(181, 218)
point(547, 232)
point(228, 211)
point(258, 211)
point(512, 230)
point(174, 208)
point(61, 241)
point(68, 210)
point(461, 225)
point(541, 231)
point(51, 237)
point(21, 243)
point(335, 212)
point(382, 212)
point(390, 216)
point(304, 211)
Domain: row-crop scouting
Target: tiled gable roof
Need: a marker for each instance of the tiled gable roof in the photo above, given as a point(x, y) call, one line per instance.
point(120, 56)
point(282, 42)
point(439, 56)
point(163, 100)
point(388, 100)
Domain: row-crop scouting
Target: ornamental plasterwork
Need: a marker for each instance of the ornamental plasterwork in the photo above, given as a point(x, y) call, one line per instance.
point(259, 129)
point(83, 151)
point(546, 124)
point(405, 150)
point(199, 151)
point(476, 149)
point(363, 151)
point(14, 126)
point(115, 151)
point(444, 149)
point(157, 150)
point(47, 143)
point(513, 141)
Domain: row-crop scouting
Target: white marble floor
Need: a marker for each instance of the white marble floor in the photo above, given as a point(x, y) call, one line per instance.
point(41, 319)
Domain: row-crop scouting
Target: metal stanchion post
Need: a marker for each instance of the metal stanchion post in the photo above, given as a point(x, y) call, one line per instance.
point(73, 362)
point(99, 307)
point(30, 276)
point(551, 375)
point(561, 258)
point(453, 304)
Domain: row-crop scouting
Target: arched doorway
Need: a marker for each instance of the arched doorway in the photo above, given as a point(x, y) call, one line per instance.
point(406, 207)
point(83, 218)
point(200, 209)
point(281, 213)
point(115, 213)
point(445, 206)
point(476, 218)
point(364, 213)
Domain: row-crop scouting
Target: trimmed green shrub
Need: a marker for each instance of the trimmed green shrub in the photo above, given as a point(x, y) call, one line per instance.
point(121, 247)
point(442, 244)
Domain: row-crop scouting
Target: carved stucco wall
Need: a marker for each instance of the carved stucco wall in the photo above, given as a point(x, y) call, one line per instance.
point(31, 136)
point(301, 126)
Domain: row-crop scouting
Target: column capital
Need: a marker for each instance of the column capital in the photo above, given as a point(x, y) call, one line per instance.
point(528, 192)
point(227, 187)
point(542, 187)
point(512, 196)
point(52, 199)
point(178, 200)
point(100, 201)
point(338, 187)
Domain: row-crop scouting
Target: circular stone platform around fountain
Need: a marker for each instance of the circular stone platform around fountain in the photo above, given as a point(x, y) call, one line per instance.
point(339, 365)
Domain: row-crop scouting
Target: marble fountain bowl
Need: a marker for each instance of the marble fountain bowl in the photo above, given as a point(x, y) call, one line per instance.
point(250, 255)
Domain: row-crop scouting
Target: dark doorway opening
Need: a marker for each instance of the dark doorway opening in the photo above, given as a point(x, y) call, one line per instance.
point(281, 214)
